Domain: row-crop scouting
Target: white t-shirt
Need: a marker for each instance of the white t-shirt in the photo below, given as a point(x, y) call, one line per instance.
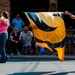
point(23, 34)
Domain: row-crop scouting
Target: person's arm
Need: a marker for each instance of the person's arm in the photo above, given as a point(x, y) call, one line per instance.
point(21, 37)
point(31, 39)
point(13, 22)
point(6, 22)
point(23, 23)
point(11, 39)
point(74, 42)
point(71, 15)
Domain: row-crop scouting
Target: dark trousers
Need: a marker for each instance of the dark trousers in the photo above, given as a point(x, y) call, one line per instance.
point(3, 38)
point(16, 47)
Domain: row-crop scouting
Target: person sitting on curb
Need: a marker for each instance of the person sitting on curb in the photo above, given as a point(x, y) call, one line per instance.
point(15, 42)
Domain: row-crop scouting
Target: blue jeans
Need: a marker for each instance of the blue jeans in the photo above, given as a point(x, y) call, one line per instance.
point(3, 38)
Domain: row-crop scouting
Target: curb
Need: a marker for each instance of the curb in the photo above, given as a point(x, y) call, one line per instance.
point(39, 57)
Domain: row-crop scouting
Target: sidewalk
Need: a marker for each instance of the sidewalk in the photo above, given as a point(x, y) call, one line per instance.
point(39, 57)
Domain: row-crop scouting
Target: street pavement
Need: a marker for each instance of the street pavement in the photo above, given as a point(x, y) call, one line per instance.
point(37, 66)
point(18, 67)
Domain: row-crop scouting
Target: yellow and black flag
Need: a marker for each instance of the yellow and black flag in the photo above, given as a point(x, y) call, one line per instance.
point(49, 31)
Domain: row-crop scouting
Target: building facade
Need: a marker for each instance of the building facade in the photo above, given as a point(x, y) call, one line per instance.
point(5, 5)
point(14, 6)
point(27, 5)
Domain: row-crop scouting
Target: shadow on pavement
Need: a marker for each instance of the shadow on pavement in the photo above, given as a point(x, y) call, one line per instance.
point(32, 60)
point(40, 73)
point(63, 73)
point(31, 73)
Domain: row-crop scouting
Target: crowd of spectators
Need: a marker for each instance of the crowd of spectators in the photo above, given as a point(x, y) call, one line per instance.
point(21, 39)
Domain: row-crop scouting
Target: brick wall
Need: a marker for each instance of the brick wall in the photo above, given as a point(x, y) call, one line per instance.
point(5, 5)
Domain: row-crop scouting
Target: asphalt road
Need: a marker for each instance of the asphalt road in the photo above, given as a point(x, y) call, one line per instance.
point(50, 67)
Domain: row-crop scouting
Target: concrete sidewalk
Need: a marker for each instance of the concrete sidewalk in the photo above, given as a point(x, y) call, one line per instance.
point(39, 57)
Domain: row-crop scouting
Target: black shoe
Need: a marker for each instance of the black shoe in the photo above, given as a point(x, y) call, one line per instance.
point(4, 61)
point(7, 58)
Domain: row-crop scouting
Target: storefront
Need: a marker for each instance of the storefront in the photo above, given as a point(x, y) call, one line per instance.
point(14, 6)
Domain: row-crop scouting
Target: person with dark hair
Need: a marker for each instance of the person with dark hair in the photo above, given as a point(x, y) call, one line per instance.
point(4, 24)
point(18, 22)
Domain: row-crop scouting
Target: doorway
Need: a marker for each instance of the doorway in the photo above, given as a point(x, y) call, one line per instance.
point(19, 6)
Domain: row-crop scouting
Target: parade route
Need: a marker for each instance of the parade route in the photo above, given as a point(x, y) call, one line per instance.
point(41, 67)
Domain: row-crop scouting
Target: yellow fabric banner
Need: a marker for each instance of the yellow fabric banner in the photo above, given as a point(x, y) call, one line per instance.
point(48, 29)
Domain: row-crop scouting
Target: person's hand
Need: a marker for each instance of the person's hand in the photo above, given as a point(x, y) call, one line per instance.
point(66, 12)
point(16, 41)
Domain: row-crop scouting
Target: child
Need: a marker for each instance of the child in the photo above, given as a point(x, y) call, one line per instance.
point(28, 40)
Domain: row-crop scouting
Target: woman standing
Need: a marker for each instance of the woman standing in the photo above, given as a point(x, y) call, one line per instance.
point(4, 24)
